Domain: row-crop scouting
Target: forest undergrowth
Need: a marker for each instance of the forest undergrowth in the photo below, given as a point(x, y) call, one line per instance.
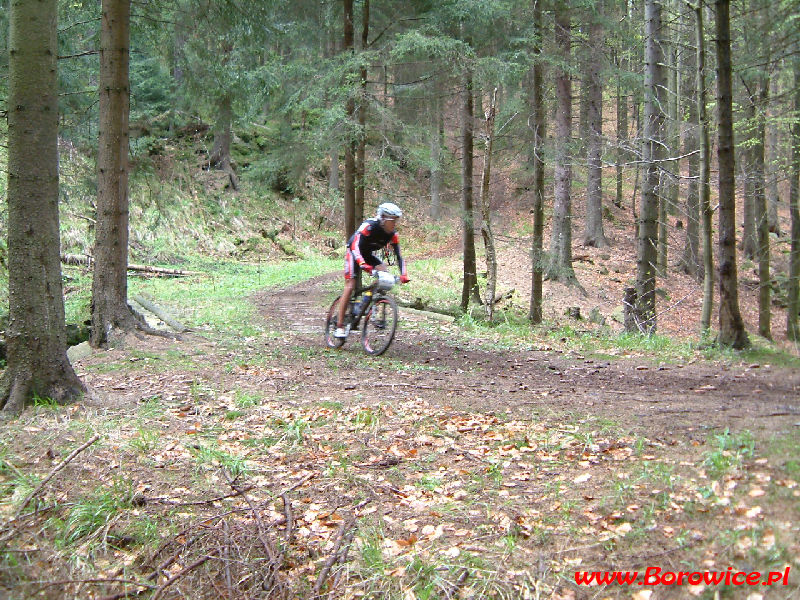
point(474, 460)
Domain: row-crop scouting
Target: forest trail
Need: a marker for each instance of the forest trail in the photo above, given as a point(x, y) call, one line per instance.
point(453, 463)
point(670, 402)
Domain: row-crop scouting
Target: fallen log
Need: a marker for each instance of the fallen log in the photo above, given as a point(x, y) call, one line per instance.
point(87, 261)
point(160, 313)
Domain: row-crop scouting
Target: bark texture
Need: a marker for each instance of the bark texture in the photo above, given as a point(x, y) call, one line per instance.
point(731, 325)
point(350, 147)
point(36, 335)
point(537, 159)
point(467, 201)
point(652, 152)
point(792, 329)
point(560, 265)
point(110, 310)
point(594, 234)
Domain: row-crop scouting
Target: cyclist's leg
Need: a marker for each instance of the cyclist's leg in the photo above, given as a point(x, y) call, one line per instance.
point(349, 286)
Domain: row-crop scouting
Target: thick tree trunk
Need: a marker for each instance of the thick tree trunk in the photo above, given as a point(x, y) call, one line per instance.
point(350, 148)
point(110, 310)
point(594, 235)
point(468, 217)
point(731, 326)
point(36, 350)
point(792, 329)
point(560, 266)
point(539, 133)
point(652, 152)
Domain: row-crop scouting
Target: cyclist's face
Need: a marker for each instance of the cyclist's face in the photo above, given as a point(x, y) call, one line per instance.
point(389, 225)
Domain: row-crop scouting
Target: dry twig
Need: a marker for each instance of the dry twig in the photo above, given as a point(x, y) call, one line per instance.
point(52, 473)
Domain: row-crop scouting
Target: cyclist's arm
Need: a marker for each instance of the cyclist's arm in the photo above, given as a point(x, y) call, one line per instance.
point(358, 239)
point(400, 262)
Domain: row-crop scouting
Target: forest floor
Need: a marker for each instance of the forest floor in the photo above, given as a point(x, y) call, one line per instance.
point(451, 467)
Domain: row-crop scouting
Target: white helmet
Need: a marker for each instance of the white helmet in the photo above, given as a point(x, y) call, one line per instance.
point(389, 210)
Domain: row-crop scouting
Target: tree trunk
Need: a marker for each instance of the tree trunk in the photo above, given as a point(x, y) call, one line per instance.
point(668, 198)
point(652, 152)
point(773, 159)
point(594, 234)
point(793, 308)
point(690, 259)
point(622, 135)
point(110, 310)
point(731, 326)
point(36, 350)
point(704, 181)
point(758, 102)
point(350, 147)
point(749, 235)
point(560, 267)
point(221, 150)
point(468, 218)
point(486, 213)
point(539, 133)
point(333, 176)
point(362, 122)
point(436, 143)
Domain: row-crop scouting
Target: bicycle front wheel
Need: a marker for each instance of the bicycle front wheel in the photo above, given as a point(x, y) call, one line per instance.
point(380, 323)
point(330, 324)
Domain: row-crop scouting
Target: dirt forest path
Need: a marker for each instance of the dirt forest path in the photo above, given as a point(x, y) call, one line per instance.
point(671, 403)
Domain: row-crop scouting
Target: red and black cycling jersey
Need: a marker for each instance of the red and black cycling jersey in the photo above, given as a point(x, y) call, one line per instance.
point(371, 237)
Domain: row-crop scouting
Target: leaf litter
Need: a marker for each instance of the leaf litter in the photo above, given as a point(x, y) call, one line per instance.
point(275, 468)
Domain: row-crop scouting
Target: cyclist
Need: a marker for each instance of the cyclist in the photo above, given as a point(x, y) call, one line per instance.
point(371, 236)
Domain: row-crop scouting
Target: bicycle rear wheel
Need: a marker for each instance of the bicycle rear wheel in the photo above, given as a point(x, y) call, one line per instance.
point(330, 324)
point(380, 323)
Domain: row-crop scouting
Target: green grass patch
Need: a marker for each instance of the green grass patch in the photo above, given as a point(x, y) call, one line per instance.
point(220, 300)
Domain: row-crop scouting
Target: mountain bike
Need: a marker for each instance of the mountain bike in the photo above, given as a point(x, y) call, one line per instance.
point(371, 308)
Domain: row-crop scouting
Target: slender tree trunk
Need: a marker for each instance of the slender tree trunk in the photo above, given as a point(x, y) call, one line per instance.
point(772, 160)
point(749, 234)
point(670, 176)
point(221, 150)
point(652, 152)
point(330, 50)
point(110, 310)
point(690, 260)
point(731, 326)
point(756, 151)
point(793, 308)
point(36, 350)
point(486, 213)
point(436, 143)
point(350, 148)
point(622, 135)
point(468, 217)
point(594, 235)
point(704, 181)
point(560, 267)
point(362, 121)
point(333, 176)
point(539, 133)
